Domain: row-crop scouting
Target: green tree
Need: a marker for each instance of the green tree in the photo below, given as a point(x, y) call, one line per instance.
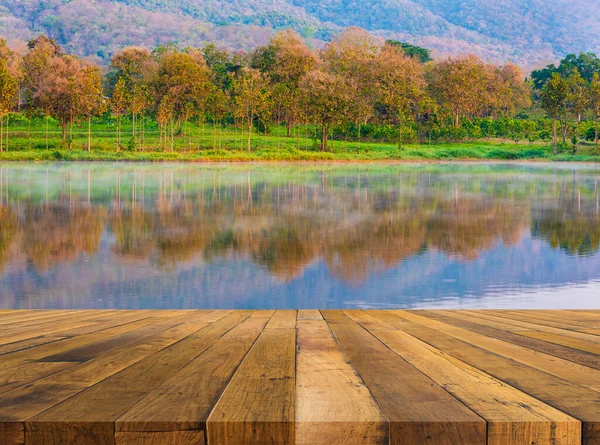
point(423, 55)
point(554, 102)
point(251, 97)
point(594, 102)
point(577, 101)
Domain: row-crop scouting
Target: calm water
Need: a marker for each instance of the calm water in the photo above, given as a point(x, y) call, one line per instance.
point(308, 236)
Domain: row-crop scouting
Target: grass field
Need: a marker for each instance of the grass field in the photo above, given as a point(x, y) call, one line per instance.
point(34, 141)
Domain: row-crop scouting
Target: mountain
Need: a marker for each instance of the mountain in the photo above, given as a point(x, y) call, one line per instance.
point(530, 32)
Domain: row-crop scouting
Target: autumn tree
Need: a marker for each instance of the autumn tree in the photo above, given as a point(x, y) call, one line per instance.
point(507, 90)
point(57, 91)
point(459, 86)
point(90, 97)
point(352, 55)
point(9, 86)
point(400, 84)
point(554, 102)
point(119, 102)
point(250, 98)
point(285, 60)
point(184, 79)
point(138, 69)
point(326, 97)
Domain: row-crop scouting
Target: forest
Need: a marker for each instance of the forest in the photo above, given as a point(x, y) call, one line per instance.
point(357, 94)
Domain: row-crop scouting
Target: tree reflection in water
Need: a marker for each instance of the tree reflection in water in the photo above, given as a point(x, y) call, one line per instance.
point(357, 220)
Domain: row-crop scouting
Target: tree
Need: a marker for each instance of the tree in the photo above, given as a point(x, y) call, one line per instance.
point(138, 69)
point(507, 90)
point(423, 55)
point(352, 54)
point(326, 98)
point(586, 63)
point(119, 102)
point(285, 60)
point(400, 84)
point(554, 102)
point(57, 91)
point(184, 78)
point(594, 102)
point(250, 97)
point(459, 86)
point(90, 97)
point(9, 86)
point(577, 100)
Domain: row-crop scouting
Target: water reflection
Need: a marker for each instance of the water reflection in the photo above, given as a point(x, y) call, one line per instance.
point(129, 236)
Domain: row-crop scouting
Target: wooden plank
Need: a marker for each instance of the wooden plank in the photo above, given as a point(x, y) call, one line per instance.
point(18, 334)
point(309, 315)
point(419, 411)
point(516, 326)
point(45, 393)
point(283, 320)
point(572, 399)
point(29, 372)
point(575, 343)
point(98, 406)
point(333, 405)
point(263, 313)
point(513, 417)
point(258, 405)
point(116, 319)
point(39, 352)
point(160, 438)
point(574, 355)
point(547, 320)
point(565, 369)
point(12, 317)
point(26, 344)
point(12, 434)
point(96, 349)
point(55, 319)
point(185, 400)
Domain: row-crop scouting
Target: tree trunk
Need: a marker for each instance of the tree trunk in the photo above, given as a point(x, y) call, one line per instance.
point(172, 136)
point(64, 131)
point(324, 137)
point(596, 133)
point(1, 134)
point(7, 119)
point(89, 144)
point(250, 122)
point(46, 132)
point(554, 135)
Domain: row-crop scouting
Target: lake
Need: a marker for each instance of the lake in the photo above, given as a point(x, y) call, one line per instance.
point(131, 236)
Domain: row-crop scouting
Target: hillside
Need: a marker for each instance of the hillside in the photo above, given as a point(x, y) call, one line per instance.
point(530, 32)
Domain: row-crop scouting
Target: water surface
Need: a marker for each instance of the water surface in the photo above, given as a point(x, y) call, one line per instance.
point(254, 236)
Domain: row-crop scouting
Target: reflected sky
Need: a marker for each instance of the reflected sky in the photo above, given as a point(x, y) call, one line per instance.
point(254, 236)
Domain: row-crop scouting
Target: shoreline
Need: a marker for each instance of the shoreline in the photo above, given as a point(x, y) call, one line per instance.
point(239, 157)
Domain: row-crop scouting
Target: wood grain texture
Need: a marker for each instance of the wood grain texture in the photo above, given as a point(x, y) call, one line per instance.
point(418, 410)
point(258, 405)
point(333, 404)
point(273, 377)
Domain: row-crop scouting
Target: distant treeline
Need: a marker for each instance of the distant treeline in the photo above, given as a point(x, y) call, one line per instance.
point(356, 86)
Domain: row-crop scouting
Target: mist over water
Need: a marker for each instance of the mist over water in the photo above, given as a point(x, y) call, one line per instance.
point(132, 236)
